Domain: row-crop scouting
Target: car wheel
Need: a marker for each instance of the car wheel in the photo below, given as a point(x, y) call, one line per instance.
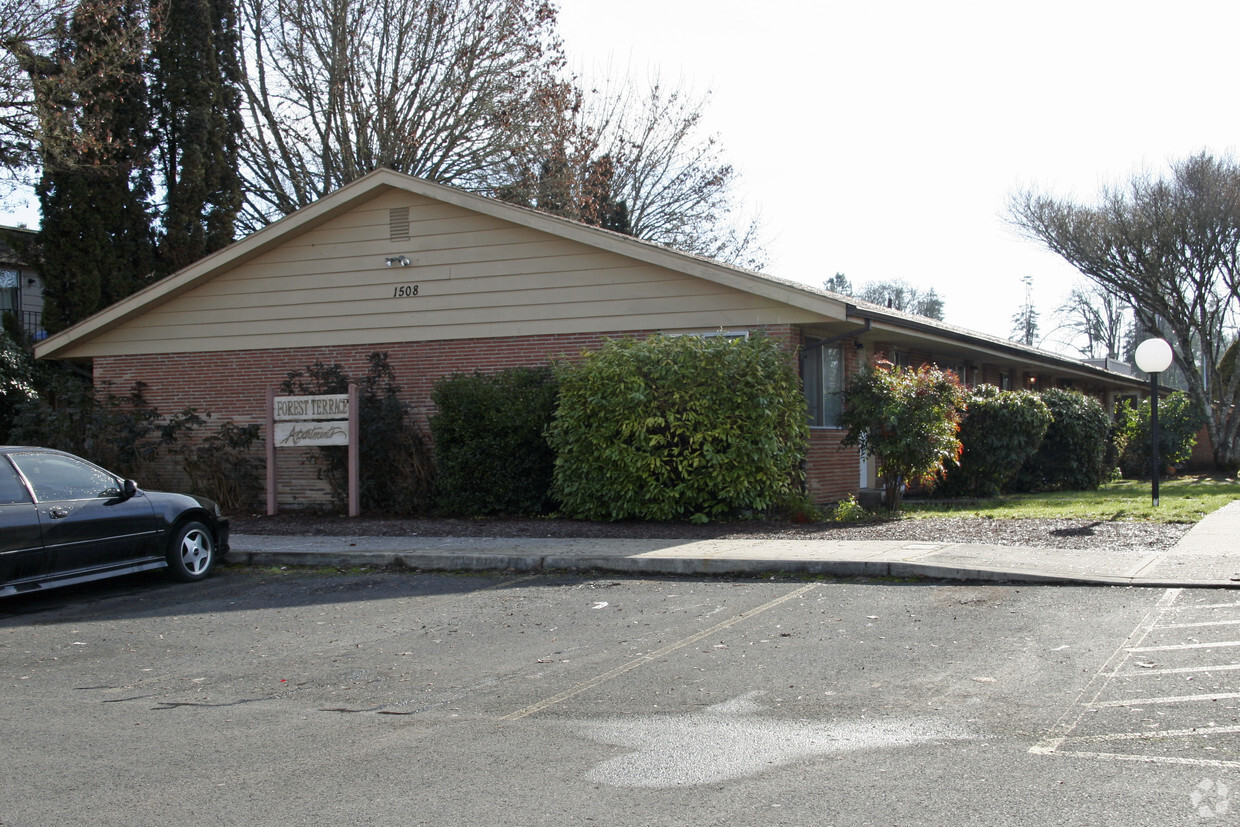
point(192, 553)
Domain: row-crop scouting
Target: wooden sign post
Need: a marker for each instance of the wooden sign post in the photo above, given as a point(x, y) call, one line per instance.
point(299, 421)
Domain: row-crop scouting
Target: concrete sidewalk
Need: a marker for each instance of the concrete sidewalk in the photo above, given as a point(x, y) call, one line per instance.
point(1207, 556)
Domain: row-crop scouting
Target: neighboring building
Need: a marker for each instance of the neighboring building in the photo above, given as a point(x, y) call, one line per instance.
point(445, 281)
point(21, 291)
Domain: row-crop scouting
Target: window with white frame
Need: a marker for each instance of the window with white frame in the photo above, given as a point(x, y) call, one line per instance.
point(822, 376)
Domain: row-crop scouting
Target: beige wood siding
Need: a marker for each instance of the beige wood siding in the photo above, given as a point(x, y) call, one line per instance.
point(476, 276)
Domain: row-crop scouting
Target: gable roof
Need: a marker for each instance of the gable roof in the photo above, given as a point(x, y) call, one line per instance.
point(384, 181)
point(833, 313)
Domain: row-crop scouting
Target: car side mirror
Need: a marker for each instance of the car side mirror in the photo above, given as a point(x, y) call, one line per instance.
point(129, 489)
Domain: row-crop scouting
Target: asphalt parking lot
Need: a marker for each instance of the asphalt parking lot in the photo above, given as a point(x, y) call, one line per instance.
point(312, 696)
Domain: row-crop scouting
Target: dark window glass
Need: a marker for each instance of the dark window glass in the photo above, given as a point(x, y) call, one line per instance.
point(823, 380)
point(54, 477)
point(11, 488)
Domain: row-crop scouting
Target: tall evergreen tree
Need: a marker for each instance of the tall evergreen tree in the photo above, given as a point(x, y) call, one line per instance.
point(1025, 320)
point(95, 236)
point(198, 103)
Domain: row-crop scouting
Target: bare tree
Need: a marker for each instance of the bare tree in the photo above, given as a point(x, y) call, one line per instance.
point(443, 89)
point(1171, 248)
point(671, 179)
point(1095, 321)
point(898, 294)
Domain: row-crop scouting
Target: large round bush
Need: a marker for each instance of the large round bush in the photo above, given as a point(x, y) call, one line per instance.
point(678, 426)
point(1000, 430)
point(1072, 454)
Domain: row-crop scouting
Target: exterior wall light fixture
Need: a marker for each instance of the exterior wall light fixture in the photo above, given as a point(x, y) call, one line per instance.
point(403, 261)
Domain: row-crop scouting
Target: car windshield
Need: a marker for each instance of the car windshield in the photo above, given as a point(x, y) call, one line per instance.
point(56, 477)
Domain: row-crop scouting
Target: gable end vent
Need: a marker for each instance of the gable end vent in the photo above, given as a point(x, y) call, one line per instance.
point(398, 224)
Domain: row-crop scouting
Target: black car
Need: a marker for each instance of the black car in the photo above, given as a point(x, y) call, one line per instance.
point(64, 520)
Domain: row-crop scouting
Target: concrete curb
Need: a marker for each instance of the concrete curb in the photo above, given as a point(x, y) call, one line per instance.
point(696, 566)
point(1208, 556)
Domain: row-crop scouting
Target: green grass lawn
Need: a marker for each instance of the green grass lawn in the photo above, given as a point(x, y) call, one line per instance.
point(1182, 500)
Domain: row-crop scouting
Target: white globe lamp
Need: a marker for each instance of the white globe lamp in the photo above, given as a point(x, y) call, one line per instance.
point(1154, 356)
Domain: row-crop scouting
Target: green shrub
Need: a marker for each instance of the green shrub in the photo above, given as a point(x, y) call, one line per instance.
point(223, 465)
point(908, 420)
point(1072, 454)
point(1000, 430)
point(1179, 421)
point(491, 452)
point(675, 427)
point(123, 433)
point(848, 510)
point(16, 382)
point(396, 471)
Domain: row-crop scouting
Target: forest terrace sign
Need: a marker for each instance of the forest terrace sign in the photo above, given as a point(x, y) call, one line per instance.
point(309, 421)
point(331, 406)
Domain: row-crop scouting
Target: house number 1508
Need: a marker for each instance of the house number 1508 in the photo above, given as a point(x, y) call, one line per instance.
point(404, 291)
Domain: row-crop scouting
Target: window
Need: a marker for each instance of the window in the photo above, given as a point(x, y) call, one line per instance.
point(54, 477)
point(822, 375)
point(10, 289)
point(12, 490)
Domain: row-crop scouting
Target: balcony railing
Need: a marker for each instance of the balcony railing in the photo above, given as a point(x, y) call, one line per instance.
point(30, 322)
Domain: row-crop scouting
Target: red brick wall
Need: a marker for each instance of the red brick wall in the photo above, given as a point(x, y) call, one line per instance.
point(831, 472)
point(233, 385)
point(1202, 459)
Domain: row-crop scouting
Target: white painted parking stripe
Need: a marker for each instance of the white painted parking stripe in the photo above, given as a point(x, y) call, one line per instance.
point(1189, 607)
point(1060, 741)
point(1102, 678)
point(1150, 735)
point(1169, 699)
point(1150, 759)
point(1197, 625)
point(1181, 670)
point(1172, 648)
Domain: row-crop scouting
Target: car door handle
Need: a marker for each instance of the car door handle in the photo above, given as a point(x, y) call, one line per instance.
point(57, 513)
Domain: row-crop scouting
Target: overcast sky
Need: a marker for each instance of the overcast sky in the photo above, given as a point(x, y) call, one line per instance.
point(881, 139)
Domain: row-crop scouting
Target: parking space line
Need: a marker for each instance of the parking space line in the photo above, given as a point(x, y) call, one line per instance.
point(1060, 741)
point(577, 689)
point(1188, 607)
point(1198, 625)
point(1139, 736)
point(1169, 699)
point(1176, 647)
point(1149, 759)
point(1102, 678)
point(1179, 670)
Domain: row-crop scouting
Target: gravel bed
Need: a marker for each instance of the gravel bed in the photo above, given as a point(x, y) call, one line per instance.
point(1137, 537)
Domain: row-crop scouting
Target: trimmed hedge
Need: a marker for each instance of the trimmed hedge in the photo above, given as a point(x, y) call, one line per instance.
point(676, 427)
point(1000, 430)
point(1072, 454)
point(491, 454)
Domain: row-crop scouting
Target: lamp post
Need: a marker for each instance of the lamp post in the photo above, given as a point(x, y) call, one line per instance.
point(1154, 356)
